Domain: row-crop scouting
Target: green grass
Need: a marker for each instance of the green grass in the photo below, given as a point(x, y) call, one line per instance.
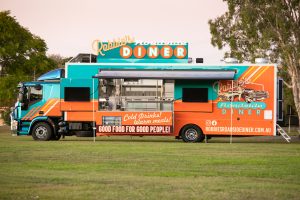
point(148, 168)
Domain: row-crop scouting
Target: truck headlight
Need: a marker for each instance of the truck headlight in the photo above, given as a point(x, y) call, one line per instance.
point(13, 125)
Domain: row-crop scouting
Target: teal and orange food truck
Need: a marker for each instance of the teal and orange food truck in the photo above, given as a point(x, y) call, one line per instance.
point(149, 88)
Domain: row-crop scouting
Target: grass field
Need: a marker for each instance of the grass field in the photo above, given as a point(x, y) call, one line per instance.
point(148, 168)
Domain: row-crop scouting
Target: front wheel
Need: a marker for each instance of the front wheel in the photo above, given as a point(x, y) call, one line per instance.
point(42, 131)
point(192, 133)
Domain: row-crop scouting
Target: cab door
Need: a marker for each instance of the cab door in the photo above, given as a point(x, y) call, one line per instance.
point(32, 102)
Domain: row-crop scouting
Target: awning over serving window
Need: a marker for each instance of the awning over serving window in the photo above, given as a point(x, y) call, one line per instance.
point(168, 74)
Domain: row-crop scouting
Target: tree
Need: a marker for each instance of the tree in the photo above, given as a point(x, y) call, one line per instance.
point(59, 60)
point(263, 28)
point(22, 57)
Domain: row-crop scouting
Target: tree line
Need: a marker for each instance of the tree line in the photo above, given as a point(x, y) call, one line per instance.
point(266, 29)
point(22, 58)
point(249, 29)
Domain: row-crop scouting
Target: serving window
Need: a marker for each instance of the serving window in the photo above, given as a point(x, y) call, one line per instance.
point(136, 94)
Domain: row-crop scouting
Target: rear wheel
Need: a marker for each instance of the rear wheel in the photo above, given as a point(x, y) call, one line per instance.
point(192, 133)
point(42, 131)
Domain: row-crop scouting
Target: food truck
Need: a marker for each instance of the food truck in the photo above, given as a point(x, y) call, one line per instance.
point(148, 88)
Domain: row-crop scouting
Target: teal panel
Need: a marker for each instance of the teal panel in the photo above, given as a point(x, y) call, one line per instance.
point(69, 82)
point(82, 71)
point(114, 53)
point(89, 70)
point(179, 84)
point(239, 70)
point(212, 92)
point(23, 132)
point(51, 91)
point(78, 71)
point(116, 60)
point(244, 105)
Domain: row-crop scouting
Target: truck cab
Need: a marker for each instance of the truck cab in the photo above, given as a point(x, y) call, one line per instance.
point(37, 111)
point(37, 108)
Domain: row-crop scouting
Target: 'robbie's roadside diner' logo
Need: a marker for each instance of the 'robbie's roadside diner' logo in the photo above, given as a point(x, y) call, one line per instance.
point(128, 48)
point(102, 47)
point(153, 51)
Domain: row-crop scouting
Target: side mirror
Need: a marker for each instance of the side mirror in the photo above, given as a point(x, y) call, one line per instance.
point(22, 98)
point(21, 94)
point(38, 87)
point(24, 106)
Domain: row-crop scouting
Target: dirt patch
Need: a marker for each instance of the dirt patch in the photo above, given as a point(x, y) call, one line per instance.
point(4, 129)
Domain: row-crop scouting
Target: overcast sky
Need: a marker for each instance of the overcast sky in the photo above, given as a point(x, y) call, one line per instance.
point(70, 26)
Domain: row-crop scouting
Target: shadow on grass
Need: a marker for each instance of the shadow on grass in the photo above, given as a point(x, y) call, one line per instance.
point(166, 139)
point(169, 139)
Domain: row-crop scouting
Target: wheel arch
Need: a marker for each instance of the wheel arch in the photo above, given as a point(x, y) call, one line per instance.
point(197, 136)
point(45, 119)
point(190, 124)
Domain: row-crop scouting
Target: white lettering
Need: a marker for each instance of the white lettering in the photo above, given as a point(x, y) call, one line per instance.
point(126, 51)
point(180, 52)
point(166, 52)
point(153, 52)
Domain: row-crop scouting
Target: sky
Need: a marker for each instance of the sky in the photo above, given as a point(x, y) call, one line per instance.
point(70, 26)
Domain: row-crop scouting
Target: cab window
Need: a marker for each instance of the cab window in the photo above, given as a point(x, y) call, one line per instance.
point(35, 94)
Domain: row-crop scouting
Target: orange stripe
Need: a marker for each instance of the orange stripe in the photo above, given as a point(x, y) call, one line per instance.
point(49, 101)
point(30, 113)
point(36, 111)
point(52, 106)
point(47, 104)
point(266, 68)
point(254, 74)
point(247, 72)
point(26, 116)
point(46, 107)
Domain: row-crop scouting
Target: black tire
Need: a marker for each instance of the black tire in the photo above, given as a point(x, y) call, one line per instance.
point(42, 132)
point(56, 136)
point(192, 133)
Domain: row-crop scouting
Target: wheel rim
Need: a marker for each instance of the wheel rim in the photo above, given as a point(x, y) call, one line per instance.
point(191, 134)
point(41, 132)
